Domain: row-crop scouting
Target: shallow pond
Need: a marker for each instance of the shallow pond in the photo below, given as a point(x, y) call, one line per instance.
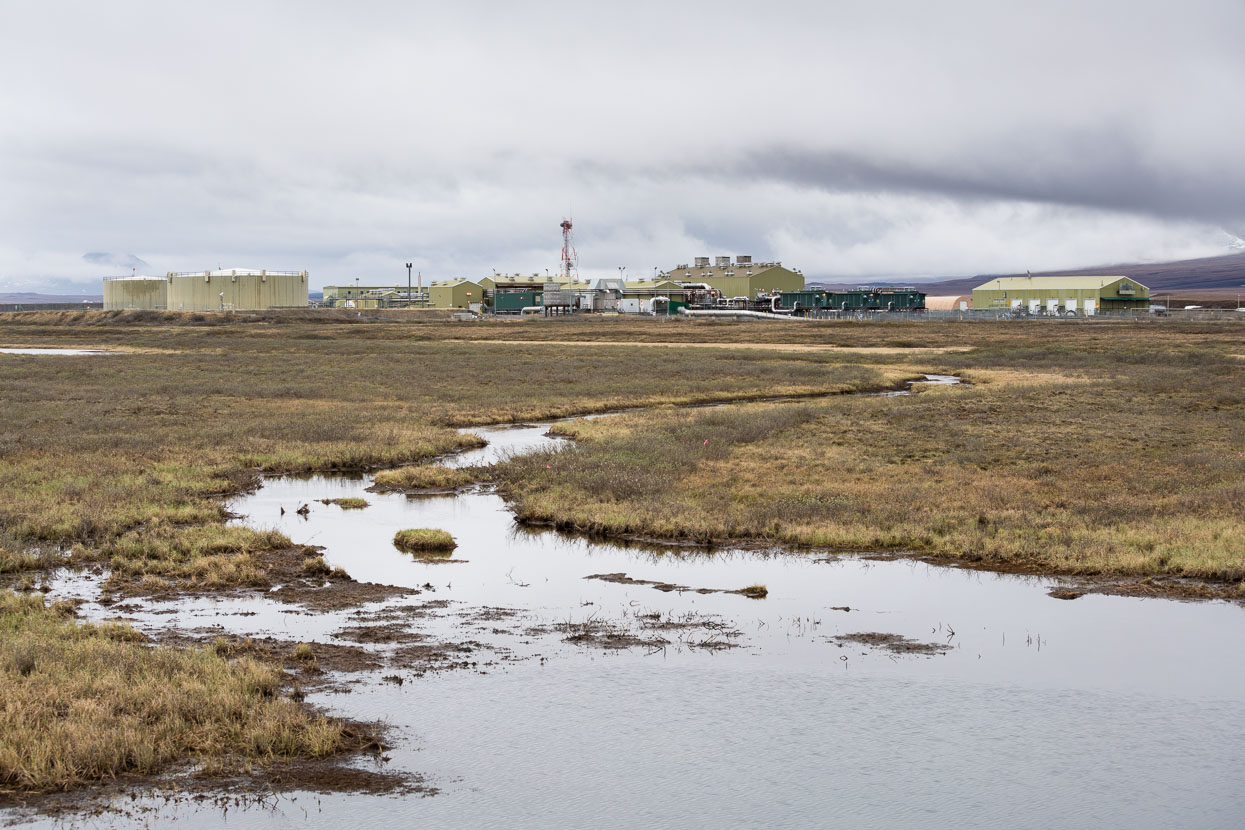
point(1019, 710)
point(42, 351)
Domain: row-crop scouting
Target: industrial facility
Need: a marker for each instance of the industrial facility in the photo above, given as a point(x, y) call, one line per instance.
point(1066, 296)
point(724, 287)
point(373, 296)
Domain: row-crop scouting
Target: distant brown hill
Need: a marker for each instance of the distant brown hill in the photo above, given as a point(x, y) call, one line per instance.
point(1221, 274)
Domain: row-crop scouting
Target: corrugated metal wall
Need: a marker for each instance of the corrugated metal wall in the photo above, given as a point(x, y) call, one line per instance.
point(249, 292)
point(132, 293)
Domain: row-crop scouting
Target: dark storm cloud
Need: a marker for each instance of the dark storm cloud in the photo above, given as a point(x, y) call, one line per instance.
point(1104, 171)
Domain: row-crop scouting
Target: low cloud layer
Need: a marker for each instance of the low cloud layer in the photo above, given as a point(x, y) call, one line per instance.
point(846, 139)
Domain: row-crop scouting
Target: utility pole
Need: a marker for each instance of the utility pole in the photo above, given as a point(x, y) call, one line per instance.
point(409, 266)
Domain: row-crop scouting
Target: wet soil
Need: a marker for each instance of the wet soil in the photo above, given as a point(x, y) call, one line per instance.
point(622, 579)
point(653, 631)
point(285, 581)
point(325, 657)
point(893, 643)
point(335, 591)
point(146, 799)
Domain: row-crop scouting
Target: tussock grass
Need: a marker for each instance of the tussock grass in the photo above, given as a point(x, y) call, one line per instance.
point(316, 566)
point(424, 541)
point(421, 477)
point(204, 557)
point(86, 703)
point(754, 591)
point(348, 503)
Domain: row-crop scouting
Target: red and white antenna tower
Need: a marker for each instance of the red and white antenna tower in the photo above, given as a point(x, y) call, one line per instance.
point(570, 259)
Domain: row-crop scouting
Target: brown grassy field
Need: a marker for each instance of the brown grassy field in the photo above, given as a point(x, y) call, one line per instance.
point(1103, 448)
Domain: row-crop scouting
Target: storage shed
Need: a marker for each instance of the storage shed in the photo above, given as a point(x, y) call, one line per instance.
point(949, 302)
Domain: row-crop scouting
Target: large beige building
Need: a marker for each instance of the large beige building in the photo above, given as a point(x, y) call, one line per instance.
point(743, 278)
point(236, 288)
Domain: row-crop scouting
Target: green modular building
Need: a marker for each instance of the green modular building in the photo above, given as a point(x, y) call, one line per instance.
point(1085, 296)
point(513, 302)
point(860, 299)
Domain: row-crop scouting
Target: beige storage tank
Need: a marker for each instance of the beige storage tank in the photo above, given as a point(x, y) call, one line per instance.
point(237, 289)
point(135, 292)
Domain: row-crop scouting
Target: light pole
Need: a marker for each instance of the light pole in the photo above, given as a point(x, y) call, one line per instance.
point(409, 266)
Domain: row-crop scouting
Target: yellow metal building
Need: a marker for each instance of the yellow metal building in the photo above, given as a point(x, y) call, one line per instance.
point(743, 278)
point(135, 292)
point(236, 289)
point(455, 293)
point(1063, 295)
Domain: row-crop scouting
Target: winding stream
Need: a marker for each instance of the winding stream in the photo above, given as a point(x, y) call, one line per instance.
point(1099, 712)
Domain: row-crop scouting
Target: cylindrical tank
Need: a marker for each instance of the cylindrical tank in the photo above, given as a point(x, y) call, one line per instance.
point(236, 288)
point(135, 292)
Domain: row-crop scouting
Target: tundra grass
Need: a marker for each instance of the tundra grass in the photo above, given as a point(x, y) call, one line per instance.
point(423, 540)
point(85, 703)
point(1125, 460)
point(348, 503)
point(421, 477)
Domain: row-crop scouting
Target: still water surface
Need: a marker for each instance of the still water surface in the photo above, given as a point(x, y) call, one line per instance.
point(1098, 712)
point(41, 351)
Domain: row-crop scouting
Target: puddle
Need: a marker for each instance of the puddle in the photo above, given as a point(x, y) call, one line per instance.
point(858, 692)
point(57, 351)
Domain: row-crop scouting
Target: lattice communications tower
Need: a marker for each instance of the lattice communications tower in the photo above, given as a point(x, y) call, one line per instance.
point(570, 259)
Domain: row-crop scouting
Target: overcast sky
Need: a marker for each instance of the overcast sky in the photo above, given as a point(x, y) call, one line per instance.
point(848, 139)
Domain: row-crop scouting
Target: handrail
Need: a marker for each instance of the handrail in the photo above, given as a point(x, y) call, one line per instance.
point(245, 272)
